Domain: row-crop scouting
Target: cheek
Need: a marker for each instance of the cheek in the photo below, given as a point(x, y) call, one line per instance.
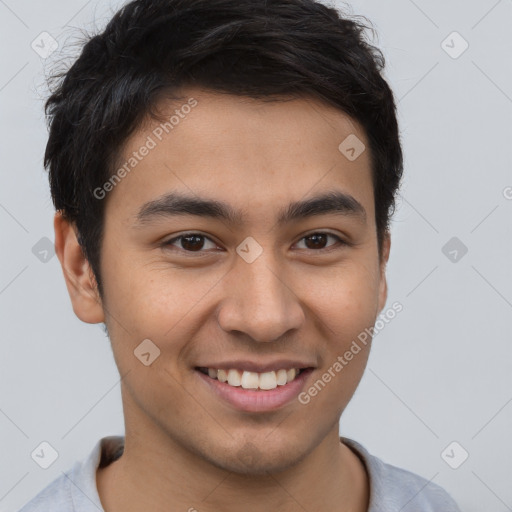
point(345, 298)
point(345, 311)
point(148, 295)
point(153, 301)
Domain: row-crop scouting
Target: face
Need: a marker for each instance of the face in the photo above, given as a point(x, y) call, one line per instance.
point(249, 284)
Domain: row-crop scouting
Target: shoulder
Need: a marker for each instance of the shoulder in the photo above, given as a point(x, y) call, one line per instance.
point(57, 494)
point(75, 490)
point(393, 488)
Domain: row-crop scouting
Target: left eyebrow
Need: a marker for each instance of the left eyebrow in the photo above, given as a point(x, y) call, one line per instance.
point(179, 204)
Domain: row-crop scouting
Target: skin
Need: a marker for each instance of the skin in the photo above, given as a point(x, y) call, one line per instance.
point(185, 447)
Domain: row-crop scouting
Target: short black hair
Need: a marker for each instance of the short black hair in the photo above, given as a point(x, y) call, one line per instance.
point(263, 49)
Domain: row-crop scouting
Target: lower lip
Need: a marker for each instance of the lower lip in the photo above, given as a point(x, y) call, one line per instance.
point(257, 401)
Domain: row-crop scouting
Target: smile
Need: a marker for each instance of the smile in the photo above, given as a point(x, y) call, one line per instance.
point(253, 380)
point(255, 392)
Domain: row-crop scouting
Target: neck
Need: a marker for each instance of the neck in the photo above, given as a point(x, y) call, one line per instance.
point(157, 473)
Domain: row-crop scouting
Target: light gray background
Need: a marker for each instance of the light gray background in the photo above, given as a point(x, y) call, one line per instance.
point(440, 372)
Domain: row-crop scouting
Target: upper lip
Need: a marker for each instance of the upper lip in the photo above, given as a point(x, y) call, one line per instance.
point(259, 367)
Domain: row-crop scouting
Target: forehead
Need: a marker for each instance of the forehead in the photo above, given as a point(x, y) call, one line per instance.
point(246, 152)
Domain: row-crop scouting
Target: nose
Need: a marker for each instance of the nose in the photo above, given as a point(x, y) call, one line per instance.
point(259, 302)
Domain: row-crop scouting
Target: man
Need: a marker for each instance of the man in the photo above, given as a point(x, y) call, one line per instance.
point(224, 172)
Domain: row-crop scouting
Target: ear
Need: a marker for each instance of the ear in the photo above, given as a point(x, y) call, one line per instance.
point(383, 285)
point(80, 281)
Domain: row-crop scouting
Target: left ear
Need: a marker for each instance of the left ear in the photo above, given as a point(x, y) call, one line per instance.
point(80, 281)
point(383, 285)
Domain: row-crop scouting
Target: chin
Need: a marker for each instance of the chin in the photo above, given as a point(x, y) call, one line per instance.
point(251, 459)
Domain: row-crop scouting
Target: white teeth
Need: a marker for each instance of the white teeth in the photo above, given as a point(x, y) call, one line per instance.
point(234, 378)
point(250, 380)
point(268, 380)
point(254, 380)
point(281, 377)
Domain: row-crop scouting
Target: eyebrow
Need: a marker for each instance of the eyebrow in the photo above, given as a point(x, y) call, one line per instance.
point(176, 204)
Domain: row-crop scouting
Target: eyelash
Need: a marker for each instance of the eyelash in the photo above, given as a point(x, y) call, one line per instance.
point(169, 243)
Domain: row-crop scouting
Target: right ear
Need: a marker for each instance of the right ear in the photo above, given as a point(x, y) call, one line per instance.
point(80, 280)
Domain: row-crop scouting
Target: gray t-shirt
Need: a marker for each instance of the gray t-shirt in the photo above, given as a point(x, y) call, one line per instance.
point(391, 489)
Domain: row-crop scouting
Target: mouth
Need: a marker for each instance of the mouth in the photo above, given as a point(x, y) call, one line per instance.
point(251, 391)
point(263, 381)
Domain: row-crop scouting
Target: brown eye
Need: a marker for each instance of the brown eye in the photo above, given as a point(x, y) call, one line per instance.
point(318, 241)
point(190, 242)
